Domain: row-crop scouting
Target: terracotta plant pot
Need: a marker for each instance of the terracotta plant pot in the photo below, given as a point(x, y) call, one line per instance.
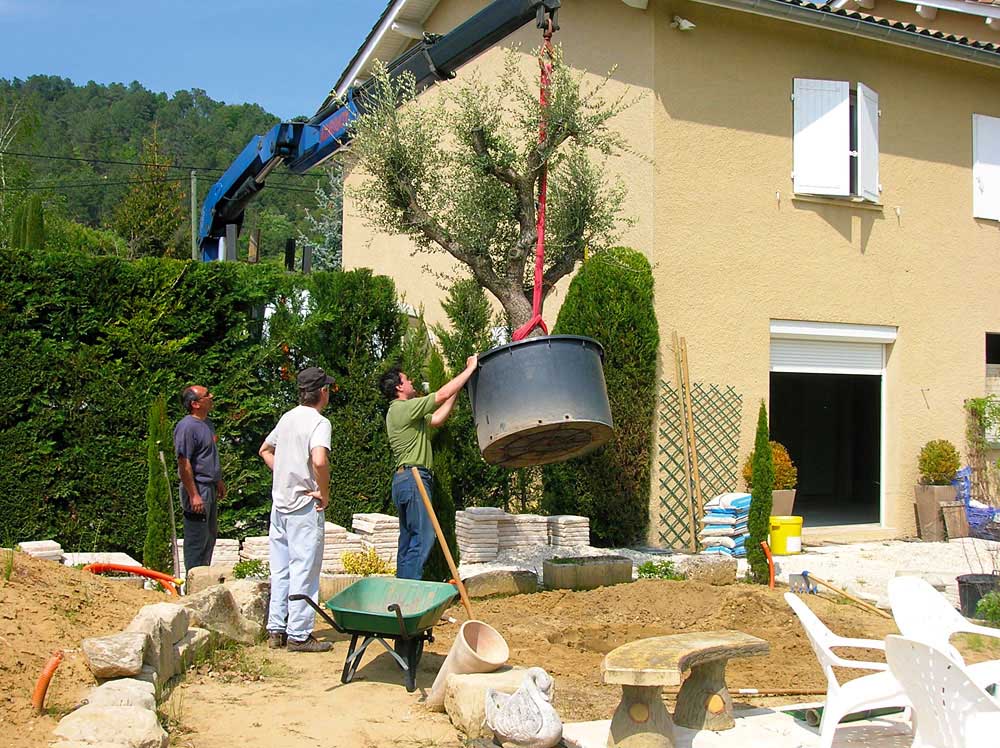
point(782, 502)
point(930, 522)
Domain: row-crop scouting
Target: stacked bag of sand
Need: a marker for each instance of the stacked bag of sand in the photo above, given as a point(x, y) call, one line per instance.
point(724, 526)
point(519, 532)
point(378, 531)
point(568, 530)
point(477, 533)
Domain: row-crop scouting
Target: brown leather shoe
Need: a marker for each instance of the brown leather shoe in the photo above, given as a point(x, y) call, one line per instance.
point(312, 644)
point(276, 639)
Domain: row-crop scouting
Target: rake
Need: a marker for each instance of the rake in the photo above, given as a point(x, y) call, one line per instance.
point(805, 583)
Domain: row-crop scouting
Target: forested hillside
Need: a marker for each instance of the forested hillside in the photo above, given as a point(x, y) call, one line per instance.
point(76, 134)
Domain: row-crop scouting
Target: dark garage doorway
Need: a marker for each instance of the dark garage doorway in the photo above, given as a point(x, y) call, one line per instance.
point(830, 424)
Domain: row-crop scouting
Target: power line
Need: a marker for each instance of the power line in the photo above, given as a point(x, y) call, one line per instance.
point(72, 185)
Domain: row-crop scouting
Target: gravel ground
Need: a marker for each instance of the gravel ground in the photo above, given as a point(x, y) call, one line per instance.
point(864, 569)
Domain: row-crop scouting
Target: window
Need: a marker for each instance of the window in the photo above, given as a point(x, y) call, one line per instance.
point(986, 167)
point(835, 142)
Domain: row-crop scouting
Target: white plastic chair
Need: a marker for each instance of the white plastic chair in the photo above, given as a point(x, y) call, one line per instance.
point(876, 691)
point(953, 712)
point(924, 614)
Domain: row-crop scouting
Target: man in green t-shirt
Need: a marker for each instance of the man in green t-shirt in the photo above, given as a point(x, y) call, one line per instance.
point(408, 424)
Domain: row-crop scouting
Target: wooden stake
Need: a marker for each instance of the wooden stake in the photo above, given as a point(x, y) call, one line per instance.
point(693, 520)
point(444, 543)
point(699, 505)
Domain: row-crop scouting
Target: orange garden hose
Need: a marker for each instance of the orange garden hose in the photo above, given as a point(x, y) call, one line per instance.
point(169, 583)
point(770, 563)
point(38, 695)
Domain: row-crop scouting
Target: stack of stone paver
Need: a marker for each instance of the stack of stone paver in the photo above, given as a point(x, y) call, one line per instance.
point(257, 547)
point(567, 530)
point(336, 542)
point(378, 531)
point(50, 550)
point(516, 532)
point(227, 551)
point(476, 530)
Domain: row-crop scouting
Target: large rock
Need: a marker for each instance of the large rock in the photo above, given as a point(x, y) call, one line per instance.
point(215, 609)
point(174, 616)
point(193, 647)
point(165, 624)
point(465, 697)
point(506, 582)
point(123, 726)
point(252, 597)
point(710, 569)
point(123, 692)
point(115, 656)
point(202, 577)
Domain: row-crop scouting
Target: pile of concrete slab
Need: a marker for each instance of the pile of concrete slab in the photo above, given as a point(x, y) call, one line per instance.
point(378, 531)
point(518, 532)
point(50, 550)
point(336, 542)
point(477, 532)
point(257, 547)
point(227, 551)
point(568, 530)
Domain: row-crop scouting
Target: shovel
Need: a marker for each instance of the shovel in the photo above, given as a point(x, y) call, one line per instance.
point(806, 583)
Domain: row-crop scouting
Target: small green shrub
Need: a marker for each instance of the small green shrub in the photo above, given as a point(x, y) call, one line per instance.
point(659, 570)
point(6, 563)
point(988, 608)
point(938, 463)
point(366, 563)
point(786, 475)
point(251, 568)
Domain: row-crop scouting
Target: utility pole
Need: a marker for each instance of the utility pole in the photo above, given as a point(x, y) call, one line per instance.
point(194, 216)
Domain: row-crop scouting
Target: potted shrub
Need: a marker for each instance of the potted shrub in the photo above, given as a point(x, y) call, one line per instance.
point(786, 477)
point(937, 464)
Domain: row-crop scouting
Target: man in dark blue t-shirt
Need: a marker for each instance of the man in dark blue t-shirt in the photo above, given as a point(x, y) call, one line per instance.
point(201, 477)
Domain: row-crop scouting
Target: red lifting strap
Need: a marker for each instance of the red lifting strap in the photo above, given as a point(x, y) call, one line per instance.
point(545, 63)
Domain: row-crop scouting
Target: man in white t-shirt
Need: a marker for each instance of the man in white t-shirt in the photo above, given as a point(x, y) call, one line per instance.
point(298, 451)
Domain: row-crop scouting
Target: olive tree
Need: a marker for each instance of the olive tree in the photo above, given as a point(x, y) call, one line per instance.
point(460, 173)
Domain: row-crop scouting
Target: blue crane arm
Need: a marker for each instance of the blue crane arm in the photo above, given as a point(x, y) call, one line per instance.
point(303, 145)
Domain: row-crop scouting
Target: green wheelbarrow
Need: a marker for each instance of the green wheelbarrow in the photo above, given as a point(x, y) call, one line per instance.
point(403, 611)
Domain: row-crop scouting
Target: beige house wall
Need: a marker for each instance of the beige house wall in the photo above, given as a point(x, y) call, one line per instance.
point(732, 248)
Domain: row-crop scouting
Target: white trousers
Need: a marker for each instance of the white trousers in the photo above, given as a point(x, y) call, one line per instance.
point(296, 541)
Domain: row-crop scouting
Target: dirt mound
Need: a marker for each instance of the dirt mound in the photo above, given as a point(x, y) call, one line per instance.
point(44, 607)
point(568, 633)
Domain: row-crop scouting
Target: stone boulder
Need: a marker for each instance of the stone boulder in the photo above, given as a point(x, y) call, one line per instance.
point(215, 609)
point(121, 726)
point(465, 697)
point(165, 624)
point(202, 577)
point(252, 598)
point(505, 582)
point(123, 692)
point(174, 616)
point(715, 570)
point(115, 656)
point(194, 646)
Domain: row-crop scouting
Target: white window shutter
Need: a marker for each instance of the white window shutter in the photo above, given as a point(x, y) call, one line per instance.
point(822, 137)
point(867, 118)
point(986, 167)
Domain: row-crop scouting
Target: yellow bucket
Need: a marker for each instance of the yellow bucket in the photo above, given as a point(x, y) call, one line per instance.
point(786, 536)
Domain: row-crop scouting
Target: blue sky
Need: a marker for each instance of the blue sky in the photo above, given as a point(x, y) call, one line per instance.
point(282, 54)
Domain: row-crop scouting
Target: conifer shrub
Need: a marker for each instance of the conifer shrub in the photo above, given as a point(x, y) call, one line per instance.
point(611, 300)
point(760, 503)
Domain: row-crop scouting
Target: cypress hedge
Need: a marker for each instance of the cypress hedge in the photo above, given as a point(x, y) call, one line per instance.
point(761, 500)
point(611, 300)
point(90, 340)
point(157, 553)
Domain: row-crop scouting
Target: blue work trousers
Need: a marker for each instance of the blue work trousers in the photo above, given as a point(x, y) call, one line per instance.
point(416, 533)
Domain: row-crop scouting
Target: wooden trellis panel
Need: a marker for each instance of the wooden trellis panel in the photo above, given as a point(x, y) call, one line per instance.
point(717, 412)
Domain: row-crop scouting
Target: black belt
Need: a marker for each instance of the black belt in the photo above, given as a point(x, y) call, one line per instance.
point(403, 468)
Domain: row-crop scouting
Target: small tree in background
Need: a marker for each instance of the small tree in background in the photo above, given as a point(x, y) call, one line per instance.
point(611, 300)
point(760, 503)
point(326, 222)
point(17, 225)
point(34, 224)
point(157, 553)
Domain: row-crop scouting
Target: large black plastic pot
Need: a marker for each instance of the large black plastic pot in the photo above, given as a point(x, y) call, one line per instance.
point(972, 588)
point(540, 400)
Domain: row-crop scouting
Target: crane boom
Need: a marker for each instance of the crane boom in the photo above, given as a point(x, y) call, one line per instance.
point(303, 145)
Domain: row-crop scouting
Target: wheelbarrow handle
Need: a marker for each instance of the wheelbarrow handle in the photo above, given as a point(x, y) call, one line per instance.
point(394, 608)
point(318, 609)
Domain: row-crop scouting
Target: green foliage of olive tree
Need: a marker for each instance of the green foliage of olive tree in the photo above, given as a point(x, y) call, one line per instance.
point(461, 173)
point(157, 552)
point(325, 223)
point(760, 503)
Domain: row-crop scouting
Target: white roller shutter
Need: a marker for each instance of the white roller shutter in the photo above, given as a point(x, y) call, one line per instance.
point(826, 356)
point(867, 122)
point(986, 167)
point(822, 137)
